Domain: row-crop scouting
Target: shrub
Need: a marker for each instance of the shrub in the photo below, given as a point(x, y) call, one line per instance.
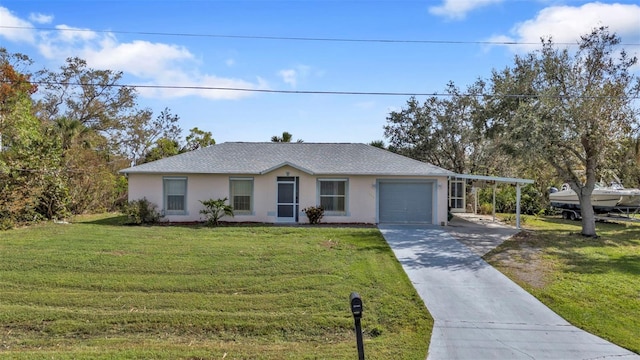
point(142, 211)
point(6, 223)
point(486, 209)
point(314, 214)
point(531, 200)
point(215, 209)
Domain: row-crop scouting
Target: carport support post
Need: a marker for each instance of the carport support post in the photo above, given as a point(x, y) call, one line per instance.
point(495, 185)
point(518, 206)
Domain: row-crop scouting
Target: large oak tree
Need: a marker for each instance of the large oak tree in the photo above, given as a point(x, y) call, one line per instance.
point(571, 108)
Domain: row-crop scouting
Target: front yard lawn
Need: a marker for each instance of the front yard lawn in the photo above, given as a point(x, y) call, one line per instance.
point(592, 283)
point(97, 289)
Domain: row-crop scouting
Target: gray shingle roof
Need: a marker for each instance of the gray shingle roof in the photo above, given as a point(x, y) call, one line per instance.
point(312, 158)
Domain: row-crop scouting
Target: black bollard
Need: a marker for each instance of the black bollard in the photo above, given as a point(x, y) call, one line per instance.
point(356, 309)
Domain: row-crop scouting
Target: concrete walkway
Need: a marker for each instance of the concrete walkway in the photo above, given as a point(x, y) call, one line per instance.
point(479, 313)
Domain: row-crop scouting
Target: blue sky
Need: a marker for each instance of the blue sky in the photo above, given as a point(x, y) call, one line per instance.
point(116, 35)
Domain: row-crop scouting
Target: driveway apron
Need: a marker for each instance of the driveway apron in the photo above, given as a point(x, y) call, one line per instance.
point(478, 312)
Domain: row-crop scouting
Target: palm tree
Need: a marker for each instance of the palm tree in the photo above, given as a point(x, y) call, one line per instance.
point(286, 137)
point(72, 132)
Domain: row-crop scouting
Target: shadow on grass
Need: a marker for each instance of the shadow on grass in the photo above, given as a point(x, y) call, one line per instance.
point(121, 220)
point(116, 220)
point(363, 240)
point(616, 249)
point(585, 264)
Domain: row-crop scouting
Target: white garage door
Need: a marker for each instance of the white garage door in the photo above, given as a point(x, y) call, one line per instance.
point(405, 202)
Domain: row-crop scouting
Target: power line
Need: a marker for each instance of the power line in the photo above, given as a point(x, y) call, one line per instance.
point(315, 92)
point(296, 38)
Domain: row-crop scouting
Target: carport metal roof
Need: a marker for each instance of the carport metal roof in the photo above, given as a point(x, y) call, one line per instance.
point(495, 180)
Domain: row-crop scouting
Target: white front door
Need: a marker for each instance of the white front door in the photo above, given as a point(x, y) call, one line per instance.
point(457, 193)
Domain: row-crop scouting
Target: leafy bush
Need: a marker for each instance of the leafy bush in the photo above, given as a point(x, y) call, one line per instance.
point(531, 200)
point(142, 211)
point(314, 214)
point(6, 223)
point(486, 209)
point(215, 209)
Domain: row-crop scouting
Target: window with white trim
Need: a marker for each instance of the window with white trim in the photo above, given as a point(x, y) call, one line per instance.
point(241, 195)
point(456, 194)
point(333, 195)
point(175, 195)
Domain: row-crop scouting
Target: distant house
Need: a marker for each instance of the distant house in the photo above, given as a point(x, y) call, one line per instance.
point(273, 182)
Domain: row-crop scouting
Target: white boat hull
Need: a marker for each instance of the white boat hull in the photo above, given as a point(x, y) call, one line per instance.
point(602, 200)
point(630, 198)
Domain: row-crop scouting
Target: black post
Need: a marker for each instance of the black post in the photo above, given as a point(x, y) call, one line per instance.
point(356, 309)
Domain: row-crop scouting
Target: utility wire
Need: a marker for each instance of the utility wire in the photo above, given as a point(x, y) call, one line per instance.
point(317, 92)
point(296, 38)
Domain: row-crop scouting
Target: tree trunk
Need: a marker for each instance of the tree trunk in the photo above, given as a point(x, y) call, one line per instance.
point(588, 215)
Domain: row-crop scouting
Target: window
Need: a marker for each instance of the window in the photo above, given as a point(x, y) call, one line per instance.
point(456, 194)
point(241, 190)
point(333, 196)
point(175, 196)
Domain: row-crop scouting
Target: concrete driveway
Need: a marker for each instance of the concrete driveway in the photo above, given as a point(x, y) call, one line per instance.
point(479, 313)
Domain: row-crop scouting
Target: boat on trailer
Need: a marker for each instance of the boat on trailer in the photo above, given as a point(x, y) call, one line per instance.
point(604, 199)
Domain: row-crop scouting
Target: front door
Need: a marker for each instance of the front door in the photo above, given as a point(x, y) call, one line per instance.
point(287, 199)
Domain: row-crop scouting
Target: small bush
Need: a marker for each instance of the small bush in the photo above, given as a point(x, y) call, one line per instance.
point(6, 223)
point(215, 209)
point(509, 218)
point(486, 209)
point(142, 211)
point(314, 214)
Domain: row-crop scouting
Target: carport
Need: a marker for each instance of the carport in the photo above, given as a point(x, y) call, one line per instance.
point(481, 181)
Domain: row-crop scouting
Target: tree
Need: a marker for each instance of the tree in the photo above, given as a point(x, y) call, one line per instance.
point(572, 110)
point(143, 133)
point(286, 137)
point(92, 97)
point(378, 143)
point(14, 86)
point(163, 148)
point(33, 186)
point(73, 133)
point(199, 139)
point(446, 132)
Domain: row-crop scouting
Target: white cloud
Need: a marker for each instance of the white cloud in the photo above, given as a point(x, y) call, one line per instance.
point(40, 18)
point(230, 62)
point(565, 24)
point(149, 63)
point(10, 30)
point(205, 86)
point(143, 59)
point(297, 73)
point(289, 76)
point(458, 9)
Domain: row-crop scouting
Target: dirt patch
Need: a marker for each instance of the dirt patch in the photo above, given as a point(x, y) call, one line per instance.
point(520, 257)
point(329, 244)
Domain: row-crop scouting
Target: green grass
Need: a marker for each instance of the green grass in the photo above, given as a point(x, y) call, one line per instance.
point(594, 283)
point(96, 289)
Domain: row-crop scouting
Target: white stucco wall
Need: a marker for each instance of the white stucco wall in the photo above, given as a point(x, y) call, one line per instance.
point(361, 201)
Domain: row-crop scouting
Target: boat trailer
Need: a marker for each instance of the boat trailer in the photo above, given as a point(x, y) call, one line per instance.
point(621, 213)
